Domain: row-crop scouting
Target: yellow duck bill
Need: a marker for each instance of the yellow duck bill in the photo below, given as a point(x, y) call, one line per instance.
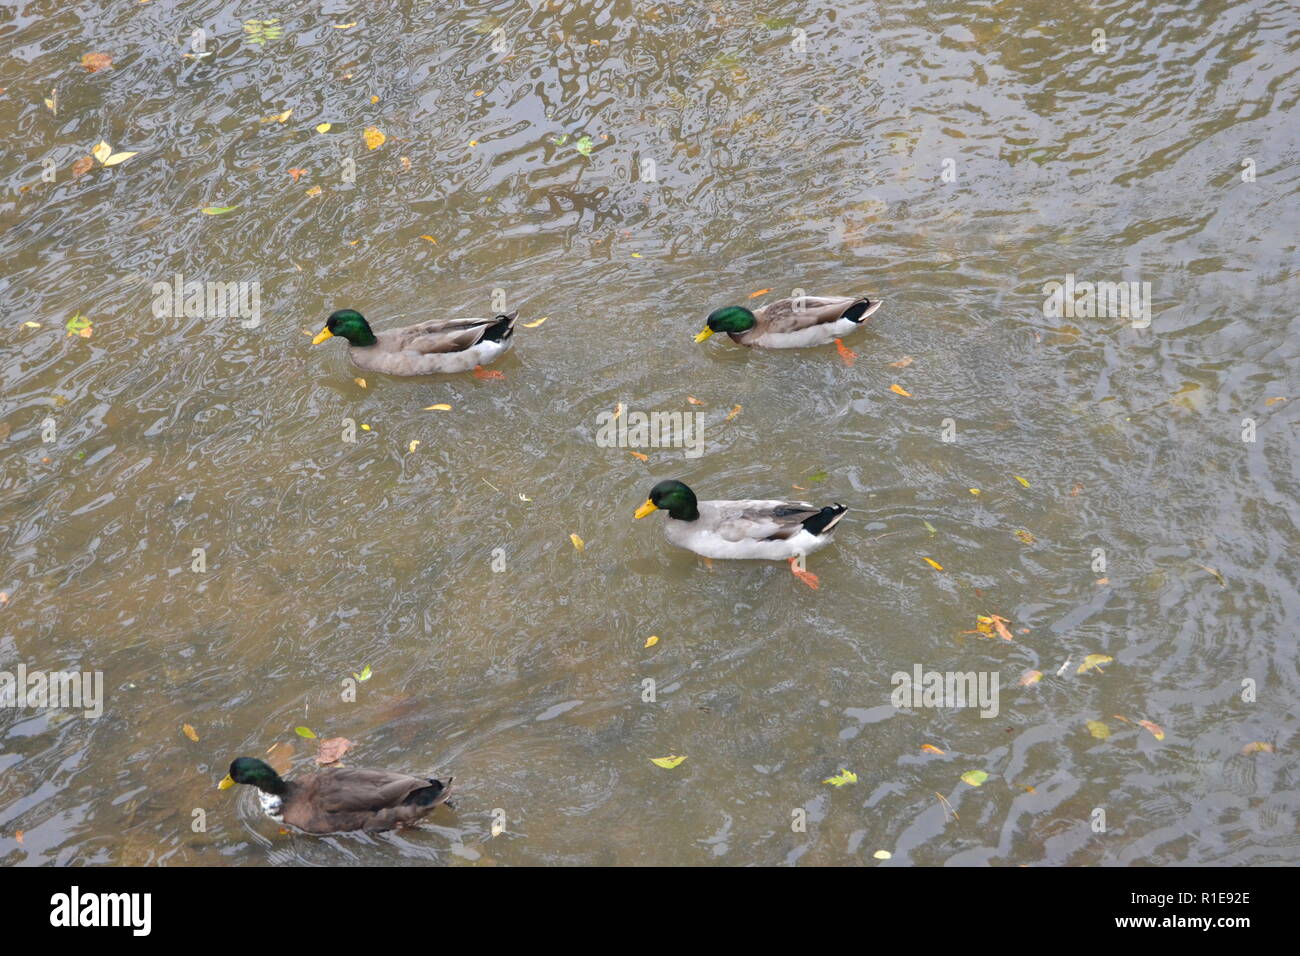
point(646, 508)
point(703, 335)
point(227, 782)
point(321, 336)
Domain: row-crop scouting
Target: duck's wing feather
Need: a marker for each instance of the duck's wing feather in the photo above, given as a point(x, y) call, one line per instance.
point(756, 520)
point(793, 315)
point(441, 335)
point(348, 790)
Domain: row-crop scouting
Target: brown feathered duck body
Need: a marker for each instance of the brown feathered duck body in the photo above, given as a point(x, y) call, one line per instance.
point(340, 800)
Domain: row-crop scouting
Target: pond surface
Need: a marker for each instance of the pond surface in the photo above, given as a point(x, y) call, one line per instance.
point(620, 170)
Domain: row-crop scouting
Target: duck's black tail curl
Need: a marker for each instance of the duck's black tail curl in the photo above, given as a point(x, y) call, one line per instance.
point(826, 519)
point(501, 329)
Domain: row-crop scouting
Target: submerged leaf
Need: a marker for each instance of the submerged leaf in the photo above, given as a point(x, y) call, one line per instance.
point(1094, 662)
point(1098, 729)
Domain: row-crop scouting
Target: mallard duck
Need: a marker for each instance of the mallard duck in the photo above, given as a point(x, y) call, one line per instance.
point(336, 801)
point(767, 530)
point(440, 345)
point(790, 323)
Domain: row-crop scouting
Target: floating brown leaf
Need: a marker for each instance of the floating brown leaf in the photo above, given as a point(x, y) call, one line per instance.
point(332, 750)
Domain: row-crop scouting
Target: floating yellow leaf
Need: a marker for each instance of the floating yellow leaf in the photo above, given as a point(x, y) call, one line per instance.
point(733, 413)
point(1156, 730)
point(1021, 480)
point(1030, 677)
point(1094, 662)
point(365, 428)
point(374, 138)
point(1274, 401)
point(932, 563)
point(102, 151)
point(324, 127)
point(651, 641)
point(1098, 729)
point(190, 732)
point(374, 99)
point(415, 443)
point(32, 325)
point(667, 762)
point(578, 542)
point(278, 117)
point(842, 778)
point(430, 239)
point(344, 26)
point(931, 749)
point(974, 491)
point(883, 855)
point(1257, 747)
point(360, 381)
point(440, 407)
point(533, 325)
point(899, 390)
point(313, 190)
point(974, 777)
point(1025, 536)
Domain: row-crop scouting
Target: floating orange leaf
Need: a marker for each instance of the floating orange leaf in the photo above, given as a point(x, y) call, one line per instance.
point(733, 413)
point(94, 62)
point(374, 138)
point(638, 455)
point(932, 563)
point(931, 749)
point(755, 295)
point(1030, 677)
point(904, 362)
point(1156, 730)
point(295, 173)
point(693, 400)
point(899, 390)
point(190, 732)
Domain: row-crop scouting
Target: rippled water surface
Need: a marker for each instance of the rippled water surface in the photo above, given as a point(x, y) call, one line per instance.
point(621, 169)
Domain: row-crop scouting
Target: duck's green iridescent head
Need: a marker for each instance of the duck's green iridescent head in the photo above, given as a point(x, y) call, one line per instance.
point(731, 318)
point(673, 497)
point(254, 772)
point(347, 324)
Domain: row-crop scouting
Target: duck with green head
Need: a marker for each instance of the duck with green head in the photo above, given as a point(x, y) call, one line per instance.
point(439, 345)
point(339, 800)
point(790, 323)
point(747, 528)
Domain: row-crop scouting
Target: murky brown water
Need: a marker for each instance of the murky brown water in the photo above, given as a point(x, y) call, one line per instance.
point(773, 169)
